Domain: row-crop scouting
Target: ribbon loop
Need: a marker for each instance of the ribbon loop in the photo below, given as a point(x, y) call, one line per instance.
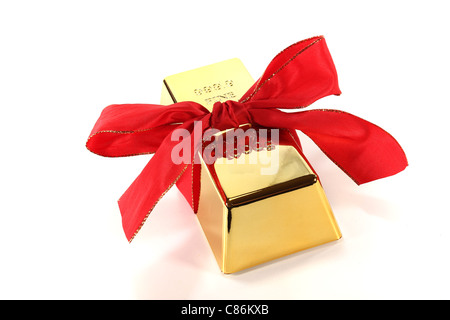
point(299, 75)
point(133, 129)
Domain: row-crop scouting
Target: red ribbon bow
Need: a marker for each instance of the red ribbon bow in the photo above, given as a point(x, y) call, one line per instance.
point(299, 75)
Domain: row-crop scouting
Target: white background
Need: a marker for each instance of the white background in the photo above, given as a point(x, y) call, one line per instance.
point(62, 62)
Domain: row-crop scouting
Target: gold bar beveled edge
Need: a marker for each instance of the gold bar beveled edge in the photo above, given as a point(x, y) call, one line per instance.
point(169, 91)
point(283, 187)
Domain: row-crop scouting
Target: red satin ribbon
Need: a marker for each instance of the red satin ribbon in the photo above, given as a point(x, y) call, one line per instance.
point(299, 75)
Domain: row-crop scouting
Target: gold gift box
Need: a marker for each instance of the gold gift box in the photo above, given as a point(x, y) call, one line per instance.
point(249, 217)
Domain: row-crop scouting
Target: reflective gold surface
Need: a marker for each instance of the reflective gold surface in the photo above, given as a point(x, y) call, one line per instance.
point(222, 81)
point(277, 226)
point(243, 175)
point(248, 217)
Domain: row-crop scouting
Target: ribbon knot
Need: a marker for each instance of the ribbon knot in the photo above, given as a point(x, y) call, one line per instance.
point(229, 114)
point(299, 75)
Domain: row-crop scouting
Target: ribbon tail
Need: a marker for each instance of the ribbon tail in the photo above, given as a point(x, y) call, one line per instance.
point(163, 171)
point(141, 197)
point(189, 184)
point(364, 151)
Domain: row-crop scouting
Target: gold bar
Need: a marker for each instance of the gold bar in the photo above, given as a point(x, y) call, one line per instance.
point(248, 217)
